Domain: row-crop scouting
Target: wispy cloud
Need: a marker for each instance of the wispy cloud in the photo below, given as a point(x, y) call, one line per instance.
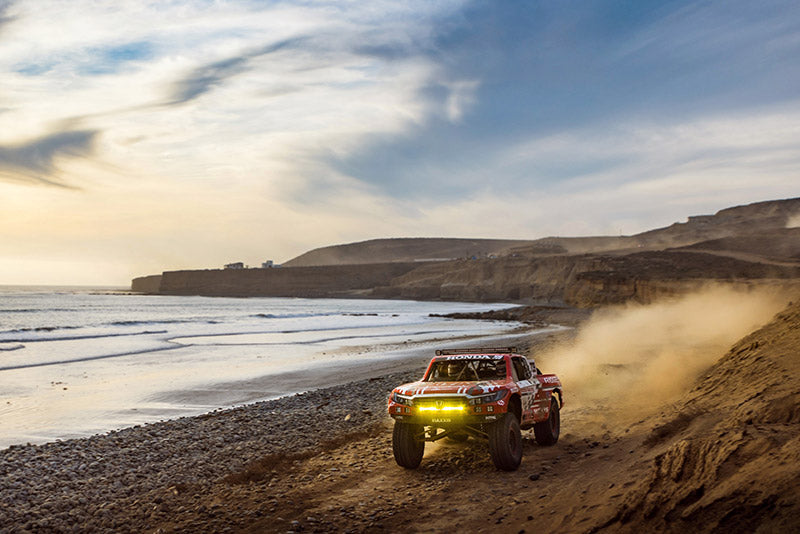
point(34, 161)
point(204, 78)
point(5, 18)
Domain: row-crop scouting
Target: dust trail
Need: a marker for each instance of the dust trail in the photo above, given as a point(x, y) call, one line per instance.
point(793, 221)
point(633, 358)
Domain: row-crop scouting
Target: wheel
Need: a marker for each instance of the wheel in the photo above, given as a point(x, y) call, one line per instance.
point(407, 448)
point(547, 431)
point(505, 443)
point(458, 437)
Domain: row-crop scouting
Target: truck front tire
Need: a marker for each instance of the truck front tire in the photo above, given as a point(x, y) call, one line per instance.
point(407, 448)
point(505, 443)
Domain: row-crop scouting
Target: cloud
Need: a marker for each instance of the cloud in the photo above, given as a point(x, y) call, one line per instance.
point(205, 78)
point(35, 161)
point(5, 6)
point(513, 73)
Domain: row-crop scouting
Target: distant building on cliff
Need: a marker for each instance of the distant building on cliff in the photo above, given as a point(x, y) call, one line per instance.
point(237, 265)
point(267, 265)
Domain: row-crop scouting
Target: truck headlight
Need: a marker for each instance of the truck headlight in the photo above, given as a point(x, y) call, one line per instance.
point(491, 397)
point(401, 399)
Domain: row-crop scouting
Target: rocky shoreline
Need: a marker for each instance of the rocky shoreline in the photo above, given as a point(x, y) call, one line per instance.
point(539, 316)
point(97, 484)
point(117, 482)
point(82, 485)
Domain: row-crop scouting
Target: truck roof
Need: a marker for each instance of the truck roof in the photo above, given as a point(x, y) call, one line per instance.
point(477, 350)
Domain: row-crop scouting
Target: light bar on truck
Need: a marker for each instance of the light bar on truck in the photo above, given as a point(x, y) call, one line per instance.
point(459, 408)
point(478, 350)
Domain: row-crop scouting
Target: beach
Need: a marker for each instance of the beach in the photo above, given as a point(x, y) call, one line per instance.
point(78, 362)
point(95, 483)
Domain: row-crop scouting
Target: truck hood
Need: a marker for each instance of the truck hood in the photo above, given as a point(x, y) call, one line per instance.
point(448, 388)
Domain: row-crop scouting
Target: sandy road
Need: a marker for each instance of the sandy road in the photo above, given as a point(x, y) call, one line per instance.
point(357, 487)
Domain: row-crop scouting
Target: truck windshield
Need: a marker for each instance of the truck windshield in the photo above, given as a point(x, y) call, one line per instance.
point(466, 370)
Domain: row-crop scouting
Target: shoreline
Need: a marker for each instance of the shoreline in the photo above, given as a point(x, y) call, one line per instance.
point(244, 352)
point(395, 359)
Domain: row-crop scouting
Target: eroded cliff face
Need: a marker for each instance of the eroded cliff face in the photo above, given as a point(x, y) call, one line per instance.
point(147, 284)
point(583, 280)
point(648, 276)
point(757, 243)
point(502, 279)
point(328, 281)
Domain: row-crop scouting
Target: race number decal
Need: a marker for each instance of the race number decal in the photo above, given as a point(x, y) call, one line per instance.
point(527, 401)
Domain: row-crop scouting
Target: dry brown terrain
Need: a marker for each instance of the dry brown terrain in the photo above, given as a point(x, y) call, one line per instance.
point(722, 457)
point(404, 250)
point(740, 245)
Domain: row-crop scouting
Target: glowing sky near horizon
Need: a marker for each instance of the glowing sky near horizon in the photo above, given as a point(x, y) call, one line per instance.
point(141, 136)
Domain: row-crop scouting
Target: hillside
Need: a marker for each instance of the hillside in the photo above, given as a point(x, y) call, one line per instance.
point(726, 457)
point(754, 244)
point(749, 220)
point(404, 250)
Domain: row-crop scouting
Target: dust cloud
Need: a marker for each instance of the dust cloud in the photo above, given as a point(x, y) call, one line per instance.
point(633, 358)
point(793, 221)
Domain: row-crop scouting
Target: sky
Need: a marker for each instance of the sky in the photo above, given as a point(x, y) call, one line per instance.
point(143, 136)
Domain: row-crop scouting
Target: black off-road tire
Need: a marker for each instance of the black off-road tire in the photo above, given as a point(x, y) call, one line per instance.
point(408, 450)
point(505, 443)
point(547, 431)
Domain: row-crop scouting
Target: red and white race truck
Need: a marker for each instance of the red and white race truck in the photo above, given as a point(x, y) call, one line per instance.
point(489, 393)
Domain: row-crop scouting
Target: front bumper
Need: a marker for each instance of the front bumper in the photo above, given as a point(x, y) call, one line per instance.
point(447, 421)
point(427, 415)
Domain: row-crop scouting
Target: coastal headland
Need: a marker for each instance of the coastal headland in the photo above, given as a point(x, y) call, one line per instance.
point(741, 246)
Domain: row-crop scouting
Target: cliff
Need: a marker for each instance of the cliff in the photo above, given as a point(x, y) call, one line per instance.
point(756, 243)
point(583, 280)
point(147, 284)
point(328, 281)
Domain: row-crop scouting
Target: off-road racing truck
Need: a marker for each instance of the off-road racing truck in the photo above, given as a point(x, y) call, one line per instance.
point(489, 393)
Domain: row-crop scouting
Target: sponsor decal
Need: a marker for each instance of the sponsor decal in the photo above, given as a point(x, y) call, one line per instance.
point(441, 420)
point(550, 379)
point(501, 402)
point(527, 401)
point(472, 357)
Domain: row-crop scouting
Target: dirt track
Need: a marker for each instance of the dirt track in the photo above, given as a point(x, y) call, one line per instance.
point(724, 458)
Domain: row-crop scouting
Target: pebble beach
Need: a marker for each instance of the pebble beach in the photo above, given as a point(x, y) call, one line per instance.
point(81, 485)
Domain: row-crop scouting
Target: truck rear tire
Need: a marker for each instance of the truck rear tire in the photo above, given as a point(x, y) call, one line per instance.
point(408, 450)
point(505, 443)
point(547, 432)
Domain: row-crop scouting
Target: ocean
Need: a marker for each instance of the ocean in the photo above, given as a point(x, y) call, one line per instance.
point(80, 361)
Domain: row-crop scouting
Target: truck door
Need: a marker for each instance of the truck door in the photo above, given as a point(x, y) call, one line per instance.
point(541, 402)
point(528, 387)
